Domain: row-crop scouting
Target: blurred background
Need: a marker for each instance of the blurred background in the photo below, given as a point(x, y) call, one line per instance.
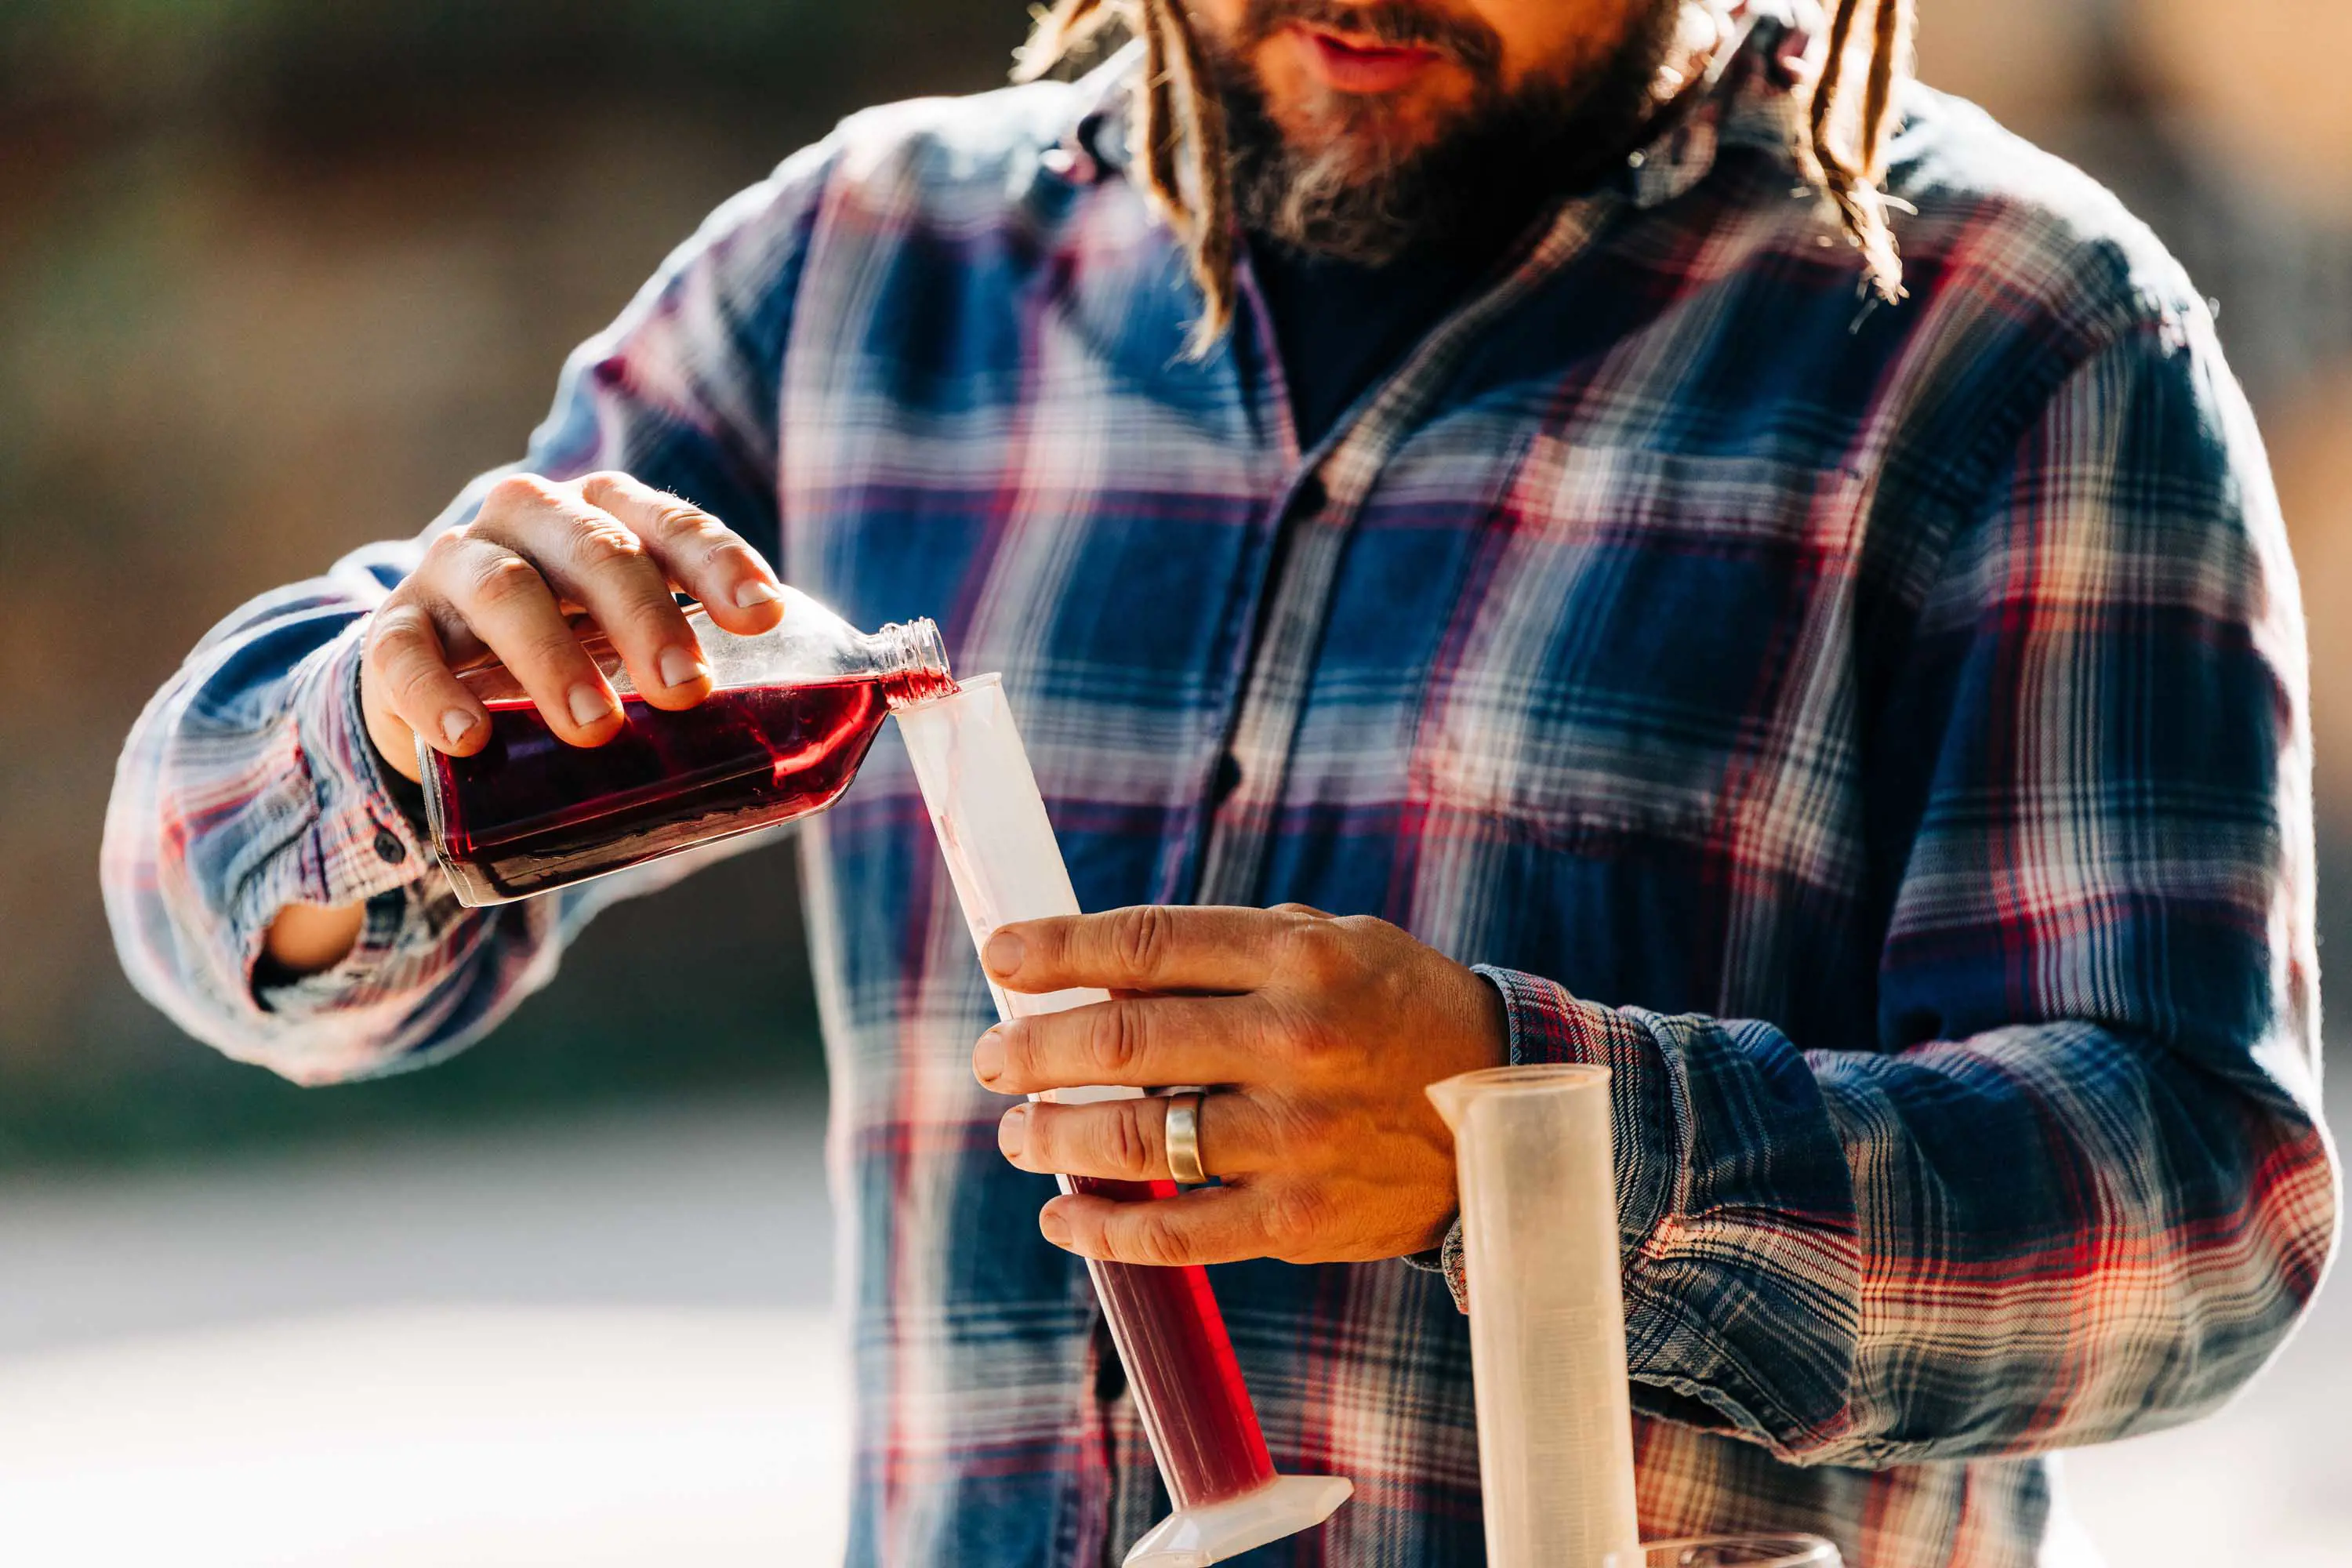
point(275, 278)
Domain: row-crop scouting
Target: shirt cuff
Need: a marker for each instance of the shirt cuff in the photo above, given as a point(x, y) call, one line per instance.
point(1446, 1258)
point(358, 848)
point(1548, 1026)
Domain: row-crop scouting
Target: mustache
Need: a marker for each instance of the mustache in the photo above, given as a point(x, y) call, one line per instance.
point(1393, 24)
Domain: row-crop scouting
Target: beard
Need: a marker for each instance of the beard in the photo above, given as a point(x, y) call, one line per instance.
point(1358, 195)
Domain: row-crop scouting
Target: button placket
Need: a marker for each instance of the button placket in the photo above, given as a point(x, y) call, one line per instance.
point(1282, 665)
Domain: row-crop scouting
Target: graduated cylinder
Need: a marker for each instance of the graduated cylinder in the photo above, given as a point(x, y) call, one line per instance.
point(1532, 1152)
point(1006, 867)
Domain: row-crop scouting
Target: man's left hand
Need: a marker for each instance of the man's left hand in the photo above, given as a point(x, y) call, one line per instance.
point(1319, 1035)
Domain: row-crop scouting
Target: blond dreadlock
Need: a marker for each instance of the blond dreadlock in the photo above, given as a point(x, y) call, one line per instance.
point(1851, 175)
point(1188, 181)
point(1182, 130)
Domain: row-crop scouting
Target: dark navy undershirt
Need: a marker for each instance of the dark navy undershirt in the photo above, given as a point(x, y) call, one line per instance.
point(1341, 328)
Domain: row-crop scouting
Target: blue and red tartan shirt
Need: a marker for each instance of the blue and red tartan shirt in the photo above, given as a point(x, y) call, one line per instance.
point(1876, 732)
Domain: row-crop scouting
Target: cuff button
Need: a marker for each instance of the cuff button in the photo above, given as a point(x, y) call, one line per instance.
point(388, 845)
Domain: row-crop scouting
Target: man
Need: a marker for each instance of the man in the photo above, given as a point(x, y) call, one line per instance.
point(1478, 468)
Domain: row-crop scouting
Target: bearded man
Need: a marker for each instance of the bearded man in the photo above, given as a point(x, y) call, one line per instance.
point(1497, 559)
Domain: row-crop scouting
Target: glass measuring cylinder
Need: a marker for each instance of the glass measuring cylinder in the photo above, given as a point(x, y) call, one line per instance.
point(1006, 866)
point(790, 715)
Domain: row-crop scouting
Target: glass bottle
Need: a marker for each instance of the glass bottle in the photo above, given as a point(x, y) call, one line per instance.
point(790, 717)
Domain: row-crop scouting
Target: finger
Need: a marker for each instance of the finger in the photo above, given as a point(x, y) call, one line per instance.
point(1150, 947)
point(1142, 1043)
point(1126, 1140)
point(405, 670)
point(592, 559)
point(504, 602)
point(700, 554)
point(1213, 1224)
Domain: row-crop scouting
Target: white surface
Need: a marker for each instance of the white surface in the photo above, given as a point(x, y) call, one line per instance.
point(601, 1343)
point(705, 1204)
point(504, 1436)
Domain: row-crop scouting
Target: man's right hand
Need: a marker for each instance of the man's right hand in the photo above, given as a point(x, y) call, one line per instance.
point(512, 582)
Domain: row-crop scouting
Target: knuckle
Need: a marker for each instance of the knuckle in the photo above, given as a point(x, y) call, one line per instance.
point(1114, 1040)
point(517, 492)
point(1139, 938)
point(1318, 951)
point(680, 520)
point(603, 485)
point(1295, 1214)
point(416, 682)
point(1152, 1236)
point(448, 542)
point(503, 580)
point(558, 651)
point(650, 613)
point(1127, 1145)
point(394, 629)
point(605, 543)
point(712, 547)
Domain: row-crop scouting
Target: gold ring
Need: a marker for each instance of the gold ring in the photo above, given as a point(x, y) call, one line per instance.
point(1183, 1138)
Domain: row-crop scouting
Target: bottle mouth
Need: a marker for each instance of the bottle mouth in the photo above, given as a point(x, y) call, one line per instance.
point(915, 663)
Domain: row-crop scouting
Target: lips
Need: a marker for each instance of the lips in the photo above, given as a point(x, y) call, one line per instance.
point(1357, 65)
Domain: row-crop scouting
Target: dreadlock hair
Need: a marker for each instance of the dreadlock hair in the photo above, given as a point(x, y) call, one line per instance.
point(1188, 180)
point(1180, 125)
point(1851, 174)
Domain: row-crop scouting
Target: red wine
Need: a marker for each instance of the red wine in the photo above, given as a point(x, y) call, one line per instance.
point(528, 811)
point(1188, 1386)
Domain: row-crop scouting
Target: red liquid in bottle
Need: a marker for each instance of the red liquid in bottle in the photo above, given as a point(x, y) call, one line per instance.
point(528, 811)
point(1179, 1363)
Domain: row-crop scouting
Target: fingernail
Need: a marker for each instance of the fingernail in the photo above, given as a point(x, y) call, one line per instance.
point(757, 592)
point(679, 668)
point(987, 1057)
point(590, 706)
point(1013, 1132)
point(455, 725)
point(1003, 954)
point(1052, 1226)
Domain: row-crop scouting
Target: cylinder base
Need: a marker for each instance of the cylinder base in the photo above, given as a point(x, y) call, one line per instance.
point(1196, 1536)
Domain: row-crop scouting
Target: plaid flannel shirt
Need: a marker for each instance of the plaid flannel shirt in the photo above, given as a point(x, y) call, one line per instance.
point(1875, 732)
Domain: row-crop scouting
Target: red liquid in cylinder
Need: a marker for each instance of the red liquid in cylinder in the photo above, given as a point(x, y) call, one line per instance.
point(1179, 1363)
point(527, 811)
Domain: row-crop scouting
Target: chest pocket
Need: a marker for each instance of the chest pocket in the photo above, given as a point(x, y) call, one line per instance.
point(1649, 644)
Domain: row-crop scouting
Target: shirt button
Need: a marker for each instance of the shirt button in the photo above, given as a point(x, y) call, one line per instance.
point(1310, 497)
point(1227, 780)
point(388, 845)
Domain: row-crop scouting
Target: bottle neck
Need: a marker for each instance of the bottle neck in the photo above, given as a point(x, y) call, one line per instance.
point(912, 659)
